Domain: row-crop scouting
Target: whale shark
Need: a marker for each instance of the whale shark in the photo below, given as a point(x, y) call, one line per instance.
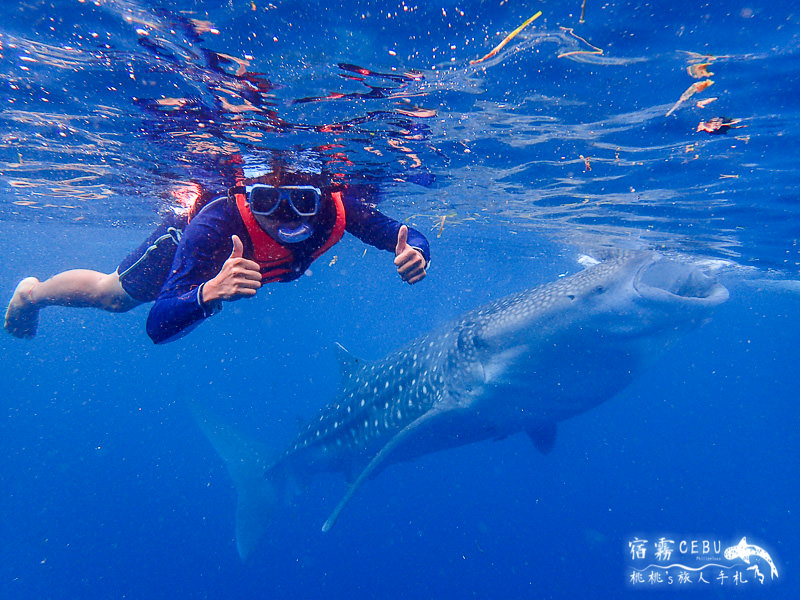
point(520, 364)
point(745, 551)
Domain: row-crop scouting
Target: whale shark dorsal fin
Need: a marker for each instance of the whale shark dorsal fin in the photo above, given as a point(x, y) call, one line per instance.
point(543, 437)
point(376, 461)
point(742, 543)
point(348, 363)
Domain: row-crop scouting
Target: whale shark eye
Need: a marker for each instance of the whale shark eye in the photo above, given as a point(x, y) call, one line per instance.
point(599, 289)
point(571, 296)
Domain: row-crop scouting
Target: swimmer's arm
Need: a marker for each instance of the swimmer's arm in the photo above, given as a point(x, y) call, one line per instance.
point(173, 317)
point(373, 227)
point(179, 307)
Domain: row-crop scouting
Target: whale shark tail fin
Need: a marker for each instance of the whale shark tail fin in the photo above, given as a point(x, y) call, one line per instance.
point(259, 496)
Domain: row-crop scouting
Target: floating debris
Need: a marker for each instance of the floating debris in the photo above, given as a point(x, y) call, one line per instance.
point(719, 125)
point(441, 226)
point(595, 49)
point(696, 87)
point(706, 102)
point(699, 71)
point(507, 39)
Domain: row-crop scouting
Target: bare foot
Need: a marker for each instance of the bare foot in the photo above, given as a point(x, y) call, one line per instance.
point(22, 317)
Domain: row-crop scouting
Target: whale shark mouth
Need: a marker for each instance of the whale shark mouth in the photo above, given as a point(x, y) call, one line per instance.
point(665, 280)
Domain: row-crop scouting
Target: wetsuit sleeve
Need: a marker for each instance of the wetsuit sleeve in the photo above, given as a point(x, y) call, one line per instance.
point(200, 255)
point(371, 226)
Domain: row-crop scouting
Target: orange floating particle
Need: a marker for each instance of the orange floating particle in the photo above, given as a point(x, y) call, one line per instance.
point(699, 71)
point(698, 86)
point(701, 85)
point(719, 125)
point(706, 102)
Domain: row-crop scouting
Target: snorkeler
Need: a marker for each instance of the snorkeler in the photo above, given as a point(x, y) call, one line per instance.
point(268, 228)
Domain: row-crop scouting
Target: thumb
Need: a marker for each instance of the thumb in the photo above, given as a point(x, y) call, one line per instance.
point(402, 236)
point(238, 248)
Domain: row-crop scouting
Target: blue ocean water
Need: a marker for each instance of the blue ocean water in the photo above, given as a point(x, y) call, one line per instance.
point(559, 144)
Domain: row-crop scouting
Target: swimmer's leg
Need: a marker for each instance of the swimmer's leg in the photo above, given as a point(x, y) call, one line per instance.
point(21, 316)
point(77, 288)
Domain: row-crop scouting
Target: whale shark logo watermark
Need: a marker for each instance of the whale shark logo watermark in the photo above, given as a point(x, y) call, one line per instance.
point(745, 552)
point(671, 562)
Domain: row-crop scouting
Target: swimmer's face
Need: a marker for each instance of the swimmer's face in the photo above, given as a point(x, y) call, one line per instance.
point(285, 217)
point(272, 223)
point(284, 224)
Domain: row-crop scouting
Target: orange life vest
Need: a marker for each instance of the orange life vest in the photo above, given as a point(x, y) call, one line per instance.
point(275, 259)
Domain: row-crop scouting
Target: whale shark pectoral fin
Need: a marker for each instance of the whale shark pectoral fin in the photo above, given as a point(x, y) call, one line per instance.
point(543, 437)
point(390, 446)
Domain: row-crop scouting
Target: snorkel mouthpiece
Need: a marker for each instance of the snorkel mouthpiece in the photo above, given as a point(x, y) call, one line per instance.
point(292, 236)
